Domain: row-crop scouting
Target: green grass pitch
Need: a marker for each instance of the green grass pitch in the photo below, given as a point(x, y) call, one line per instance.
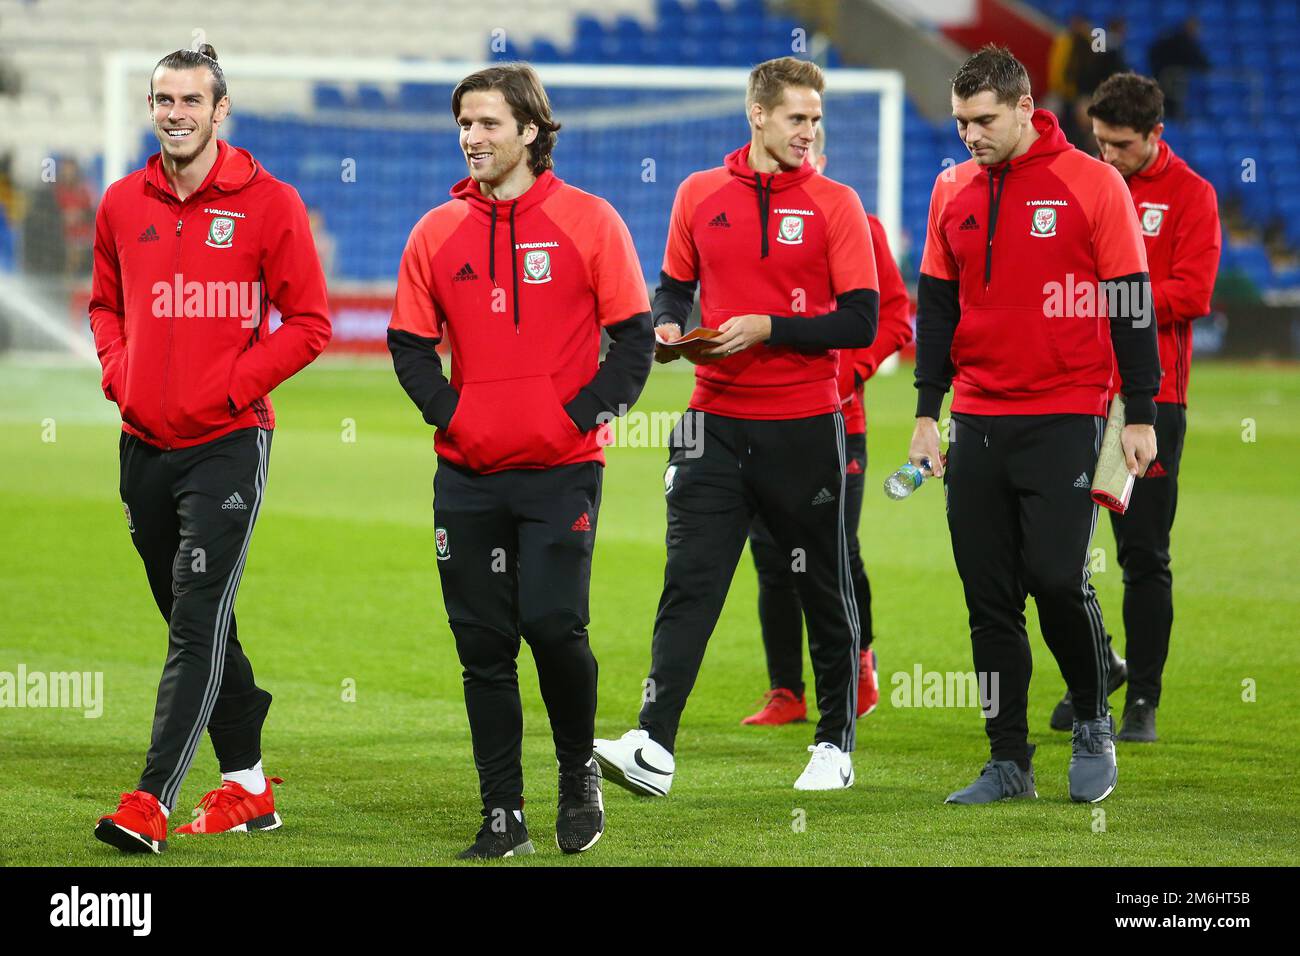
point(341, 590)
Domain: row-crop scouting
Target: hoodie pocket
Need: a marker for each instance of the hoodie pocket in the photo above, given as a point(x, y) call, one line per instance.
point(1009, 350)
point(202, 402)
point(511, 423)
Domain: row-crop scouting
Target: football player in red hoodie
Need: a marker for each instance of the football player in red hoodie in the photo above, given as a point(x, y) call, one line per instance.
point(1179, 213)
point(1033, 287)
point(189, 253)
point(783, 260)
point(780, 614)
point(520, 272)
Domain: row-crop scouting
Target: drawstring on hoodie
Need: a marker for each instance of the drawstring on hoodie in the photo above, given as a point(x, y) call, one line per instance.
point(492, 248)
point(764, 207)
point(514, 263)
point(514, 268)
point(994, 202)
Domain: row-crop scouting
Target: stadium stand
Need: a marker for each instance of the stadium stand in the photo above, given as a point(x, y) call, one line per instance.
point(1244, 108)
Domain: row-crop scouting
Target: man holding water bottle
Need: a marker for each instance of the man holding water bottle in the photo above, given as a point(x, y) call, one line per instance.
point(1034, 268)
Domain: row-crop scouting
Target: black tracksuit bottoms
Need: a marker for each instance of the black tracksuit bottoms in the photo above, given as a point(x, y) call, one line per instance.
point(514, 556)
point(1021, 517)
point(791, 473)
point(191, 513)
point(780, 614)
point(1142, 537)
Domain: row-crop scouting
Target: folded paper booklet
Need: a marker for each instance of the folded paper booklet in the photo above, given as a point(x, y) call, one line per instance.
point(1112, 483)
point(693, 337)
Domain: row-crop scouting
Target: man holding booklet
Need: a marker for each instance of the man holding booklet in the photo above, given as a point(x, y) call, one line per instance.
point(783, 258)
point(1179, 213)
point(1033, 271)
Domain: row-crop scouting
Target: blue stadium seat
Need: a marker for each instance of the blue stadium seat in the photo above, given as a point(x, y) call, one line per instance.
point(372, 98)
point(326, 96)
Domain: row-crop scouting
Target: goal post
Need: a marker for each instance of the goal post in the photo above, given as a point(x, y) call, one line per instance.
point(125, 113)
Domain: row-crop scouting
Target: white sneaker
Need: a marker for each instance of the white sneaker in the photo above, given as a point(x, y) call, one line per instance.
point(830, 768)
point(636, 763)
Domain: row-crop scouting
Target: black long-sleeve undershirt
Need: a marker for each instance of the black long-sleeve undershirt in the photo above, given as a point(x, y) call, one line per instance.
point(618, 382)
point(937, 312)
point(673, 301)
point(419, 370)
point(852, 325)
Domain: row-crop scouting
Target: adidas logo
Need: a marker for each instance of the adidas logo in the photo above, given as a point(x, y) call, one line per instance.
point(464, 272)
point(720, 220)
point(234, 503)
point(1082, 481)
point(582, 524)
point(823, 497)
point(969, 223)
point(854, 467)
point(149, 235)
point(1156, 470)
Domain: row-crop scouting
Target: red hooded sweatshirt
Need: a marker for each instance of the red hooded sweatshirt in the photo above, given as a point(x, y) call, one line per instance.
point(180, 295)
point(1016, 252)
point(783, 244)
point(521, 288)
point(1179, 213)
point(893, 332)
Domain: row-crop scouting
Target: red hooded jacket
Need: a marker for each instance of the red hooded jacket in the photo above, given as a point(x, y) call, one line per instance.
point(180, 295)
point(814, 245)
point(1009, 289)
point(521, 289)
point(893, 332)
point(1179, 213)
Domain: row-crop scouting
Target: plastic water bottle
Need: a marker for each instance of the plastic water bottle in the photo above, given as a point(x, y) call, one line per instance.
point(906, 480)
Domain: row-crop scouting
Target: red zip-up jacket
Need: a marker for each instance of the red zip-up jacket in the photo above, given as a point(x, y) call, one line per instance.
point(521, 288)
point(1016, 252)
point(1179, 213)
point(180, 295)
point(893, 332)
point(794, 245)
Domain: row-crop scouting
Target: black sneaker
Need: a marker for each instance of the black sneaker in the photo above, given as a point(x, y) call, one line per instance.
point(581, 818)
point(1063, 715)
point(502, 834)
point(1139, 723)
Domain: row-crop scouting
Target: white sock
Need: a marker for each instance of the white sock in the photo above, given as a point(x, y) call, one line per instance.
point(252, 779)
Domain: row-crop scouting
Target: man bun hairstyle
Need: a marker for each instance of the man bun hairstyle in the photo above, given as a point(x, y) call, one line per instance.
point(995, 69)
point(522, 89)
point(1129, 99)
point(768, 81)
point(204, 57)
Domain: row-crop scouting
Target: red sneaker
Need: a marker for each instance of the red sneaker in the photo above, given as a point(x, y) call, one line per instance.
point(232, 808)
point(868, 690)
point(138, 825)
point(780, 706)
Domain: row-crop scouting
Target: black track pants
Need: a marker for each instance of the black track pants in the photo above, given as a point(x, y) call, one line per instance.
point(780, 615)
point(791, 473)
point(1022, 517)
point(191, 513)
point(514, 556)
point(1142, 536)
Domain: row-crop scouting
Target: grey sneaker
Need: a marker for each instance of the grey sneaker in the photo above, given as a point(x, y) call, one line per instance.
point(999, 780)
point(1139, 723)
point(1092, 761)
point(1063, 715)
